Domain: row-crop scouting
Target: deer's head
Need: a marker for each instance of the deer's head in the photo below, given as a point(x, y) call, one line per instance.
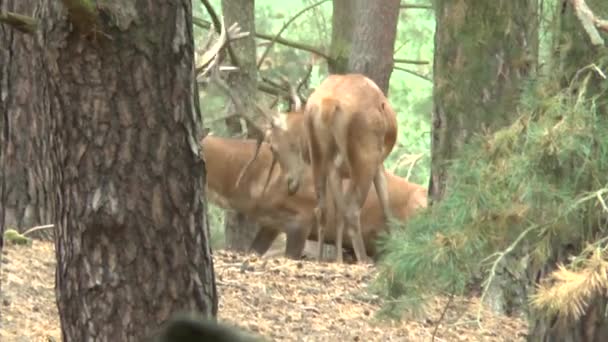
point(287, 140)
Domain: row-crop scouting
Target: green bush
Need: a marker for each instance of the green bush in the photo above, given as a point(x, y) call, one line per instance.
point(541, 181)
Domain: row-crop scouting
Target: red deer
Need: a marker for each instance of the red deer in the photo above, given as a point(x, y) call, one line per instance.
point(276, 211)
point(347, 130)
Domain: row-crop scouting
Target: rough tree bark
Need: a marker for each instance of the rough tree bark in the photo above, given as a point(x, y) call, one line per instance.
point(374, 39)
point(573, 51)
point(342, 22)
point(125, 178)
point(239, 231)
point(484, 51)
point(22, 92)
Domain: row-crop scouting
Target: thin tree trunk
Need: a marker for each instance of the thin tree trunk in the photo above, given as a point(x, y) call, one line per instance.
point(239, 231)
point(573, 51)
point(22, 88)
point(483, 53)
point(373, 37)
point(126, 181)
point(342, 22)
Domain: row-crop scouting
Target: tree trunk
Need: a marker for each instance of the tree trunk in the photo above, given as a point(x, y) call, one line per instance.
point(573, 51)
point(342, 22)
point(239, 231)
point(22, 90)
point(374, 39)
point(126, 182)
point(483, 52)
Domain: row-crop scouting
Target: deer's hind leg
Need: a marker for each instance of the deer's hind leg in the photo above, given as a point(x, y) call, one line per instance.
point(336, 211)
point(382, 192)
point(319, 164)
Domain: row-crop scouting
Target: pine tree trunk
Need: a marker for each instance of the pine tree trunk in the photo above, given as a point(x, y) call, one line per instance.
point(483, 52)
point(342, 24)
point(239, 231)
point(22, 99)
point(125, 179)
point(573, 51)
point(374, 40)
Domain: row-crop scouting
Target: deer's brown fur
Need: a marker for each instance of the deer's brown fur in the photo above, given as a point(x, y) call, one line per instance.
point(347, 130)
point(276, 211)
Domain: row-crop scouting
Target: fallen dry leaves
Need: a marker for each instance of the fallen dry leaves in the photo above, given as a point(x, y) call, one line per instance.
point(281, 299)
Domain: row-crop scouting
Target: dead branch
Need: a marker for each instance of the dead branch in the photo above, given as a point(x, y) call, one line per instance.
point(304, 10)
point(590, 22)
point(290, 43)
point(233, 33)
point(21, 23)
point(410, 61)
point(419, 75)
point(37, 228)
point(216, 23)
point(443, 312)
point(414, 6)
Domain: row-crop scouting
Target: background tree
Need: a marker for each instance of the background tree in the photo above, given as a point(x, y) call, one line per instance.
point(123, 176)
point(483, 54)
point(21, 80)
point(342, 27)
point(477, 90)
point(239, 231)
point(374, 40)
point(574, 49)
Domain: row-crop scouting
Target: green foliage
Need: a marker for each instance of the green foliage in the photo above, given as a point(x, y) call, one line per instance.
point(12, 236)
point(215, 215)
point(538, 183)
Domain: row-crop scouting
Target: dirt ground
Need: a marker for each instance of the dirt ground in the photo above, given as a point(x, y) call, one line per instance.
point(281, 299)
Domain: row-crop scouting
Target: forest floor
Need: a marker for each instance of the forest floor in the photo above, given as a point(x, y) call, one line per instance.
point(281, 299)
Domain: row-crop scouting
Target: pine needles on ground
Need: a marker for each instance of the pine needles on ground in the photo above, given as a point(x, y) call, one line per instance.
point(539, 183)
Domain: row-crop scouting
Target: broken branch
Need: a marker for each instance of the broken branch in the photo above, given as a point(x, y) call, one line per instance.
point(296, 45)
point(410, 61)
point(590, 22)
point(21, 23)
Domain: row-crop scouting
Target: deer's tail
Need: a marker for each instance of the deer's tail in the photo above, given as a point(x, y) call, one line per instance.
point(329, 106)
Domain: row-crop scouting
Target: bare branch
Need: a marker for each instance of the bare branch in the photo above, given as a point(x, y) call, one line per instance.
point(589, 21)
point(21, 23)
point(413, 73)
point(37, 228)
point(410, 61)
point(216, 22)
point(285, 27)
point(296, 45)
point(414, 6)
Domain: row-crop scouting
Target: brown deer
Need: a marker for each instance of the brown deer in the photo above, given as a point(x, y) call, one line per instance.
point(347, 130)
point(276, 211)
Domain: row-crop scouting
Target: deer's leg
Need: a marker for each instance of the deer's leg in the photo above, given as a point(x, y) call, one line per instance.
point(337, 212)
point(361, 180)
point(319, 172)
point(382, 192)
point(297, 234)
point(264, 239)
